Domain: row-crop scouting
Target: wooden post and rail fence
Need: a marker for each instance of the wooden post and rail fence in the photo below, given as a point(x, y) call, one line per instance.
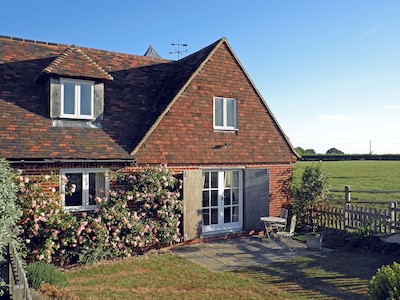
point(356, 216)
point(17, 280)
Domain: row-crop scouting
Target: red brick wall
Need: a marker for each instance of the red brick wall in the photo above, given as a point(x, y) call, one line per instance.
point(278, 177)
point(185, 135)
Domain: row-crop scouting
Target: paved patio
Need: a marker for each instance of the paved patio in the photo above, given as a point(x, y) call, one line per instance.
point(240, 252)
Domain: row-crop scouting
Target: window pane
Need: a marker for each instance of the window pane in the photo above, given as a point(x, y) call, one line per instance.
point(227, 215)
point(214, 216)
point(206, 199)
point(227, 197)
point(69, 98)
point(235, 196)
point(235, 178)
point(206, 180)
point(214, 198)
point(214, 179)
point(206, 217)
point(227, 180)
point(218, 112)
point(74, 185)
point(235, 214)
point(231, 112)
point(86, 99)
point(97, 186)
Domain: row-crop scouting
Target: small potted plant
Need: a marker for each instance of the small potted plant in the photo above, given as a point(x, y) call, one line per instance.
point(314, 240)
point(308, 191)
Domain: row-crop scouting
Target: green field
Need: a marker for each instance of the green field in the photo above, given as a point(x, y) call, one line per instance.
point(362, 175)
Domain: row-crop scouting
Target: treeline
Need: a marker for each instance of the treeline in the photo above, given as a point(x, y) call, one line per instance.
point(344, 157)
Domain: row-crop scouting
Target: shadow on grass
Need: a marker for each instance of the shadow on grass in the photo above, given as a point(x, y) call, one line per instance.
point(340, 274)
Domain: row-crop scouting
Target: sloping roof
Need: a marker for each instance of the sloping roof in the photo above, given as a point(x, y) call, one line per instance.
point(139, 90)
point(73, 62)
point(186, 70)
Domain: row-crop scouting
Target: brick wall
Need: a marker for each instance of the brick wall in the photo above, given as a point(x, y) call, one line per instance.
point(278, 178)
point(185, 135)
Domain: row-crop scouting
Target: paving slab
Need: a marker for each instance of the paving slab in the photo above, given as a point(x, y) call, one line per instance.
point(240, 252)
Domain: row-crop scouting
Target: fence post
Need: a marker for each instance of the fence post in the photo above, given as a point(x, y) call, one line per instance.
point(393, 221)
point(346, 206)
point(347, 194)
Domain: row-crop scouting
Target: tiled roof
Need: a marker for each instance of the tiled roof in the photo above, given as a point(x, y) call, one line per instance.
point(141, 90)
point(73, 62)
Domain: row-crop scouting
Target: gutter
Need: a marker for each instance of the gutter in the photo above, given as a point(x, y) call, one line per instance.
point(60, 161)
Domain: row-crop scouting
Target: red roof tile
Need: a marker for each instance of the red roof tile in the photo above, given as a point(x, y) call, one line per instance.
point(73, 62)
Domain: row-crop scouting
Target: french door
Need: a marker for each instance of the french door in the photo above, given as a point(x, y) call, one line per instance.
point(222, 200)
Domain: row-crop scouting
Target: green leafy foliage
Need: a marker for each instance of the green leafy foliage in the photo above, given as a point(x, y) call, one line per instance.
point(47, 229)
point(9, 211)
point(386, 283)
point(308, 189)
point(113, 229)
point(41, 272)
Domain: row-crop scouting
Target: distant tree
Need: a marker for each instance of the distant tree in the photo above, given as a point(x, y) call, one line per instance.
point(334, 151)
point(309, 151)
point(301, 151)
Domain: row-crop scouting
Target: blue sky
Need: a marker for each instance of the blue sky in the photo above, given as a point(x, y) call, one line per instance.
point(329, 70)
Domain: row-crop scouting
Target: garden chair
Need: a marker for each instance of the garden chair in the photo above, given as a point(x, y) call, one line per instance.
point(286, 236)
point(281, 226)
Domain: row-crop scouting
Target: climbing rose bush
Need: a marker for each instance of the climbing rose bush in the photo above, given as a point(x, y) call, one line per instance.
point(157, 192)
point(47, 229)
point(112, 230)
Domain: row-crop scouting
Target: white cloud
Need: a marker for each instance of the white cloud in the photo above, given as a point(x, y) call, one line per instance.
point(369, 32)
point(336, 118)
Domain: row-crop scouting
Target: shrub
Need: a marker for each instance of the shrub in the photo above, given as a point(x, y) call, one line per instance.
point(112, 230)
point(47, 229)
point(308, 190)
point(386, 283)
point(156, 191)
point(41, 272)
point(9, 211)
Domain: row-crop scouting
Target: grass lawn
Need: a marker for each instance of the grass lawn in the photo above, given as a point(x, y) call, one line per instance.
point(339, 274)
point(362, 175)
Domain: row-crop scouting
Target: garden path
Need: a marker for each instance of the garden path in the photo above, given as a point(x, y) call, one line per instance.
point(239, 252)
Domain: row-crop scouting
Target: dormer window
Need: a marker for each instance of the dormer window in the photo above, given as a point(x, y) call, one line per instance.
point(77, 99)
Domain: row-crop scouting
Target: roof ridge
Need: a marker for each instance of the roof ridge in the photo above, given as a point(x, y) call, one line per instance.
point(5, 37)
point(12, 38)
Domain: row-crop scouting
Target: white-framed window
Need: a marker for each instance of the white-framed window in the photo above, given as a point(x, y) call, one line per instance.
point(225, 113)
point(80, 187)
point(77, 98)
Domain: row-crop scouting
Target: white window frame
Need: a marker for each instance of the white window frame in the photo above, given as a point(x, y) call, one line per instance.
point(225, 112)
point(85, 187)
point(77, 113)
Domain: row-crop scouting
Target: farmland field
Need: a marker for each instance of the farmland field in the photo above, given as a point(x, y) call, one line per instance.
point(361, 175)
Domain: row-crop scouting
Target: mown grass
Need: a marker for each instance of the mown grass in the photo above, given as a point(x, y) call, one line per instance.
point(165, 276)
point(362, 175)
point(338, 274)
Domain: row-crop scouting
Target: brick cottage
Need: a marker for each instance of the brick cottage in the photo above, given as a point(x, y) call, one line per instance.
point(80, 112)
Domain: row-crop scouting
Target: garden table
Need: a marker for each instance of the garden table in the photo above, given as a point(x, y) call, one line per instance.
point(269, 223)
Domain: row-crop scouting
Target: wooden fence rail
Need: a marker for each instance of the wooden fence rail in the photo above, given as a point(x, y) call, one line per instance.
point(18, 282)
point(357, 216)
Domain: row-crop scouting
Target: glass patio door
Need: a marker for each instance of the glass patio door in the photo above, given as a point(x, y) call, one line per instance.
point(222, 200)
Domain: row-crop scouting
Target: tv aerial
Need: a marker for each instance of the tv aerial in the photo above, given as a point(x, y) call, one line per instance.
point(178, 49)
